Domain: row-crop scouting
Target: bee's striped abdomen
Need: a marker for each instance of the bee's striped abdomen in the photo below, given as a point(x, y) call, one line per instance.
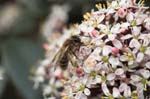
point(64, 61)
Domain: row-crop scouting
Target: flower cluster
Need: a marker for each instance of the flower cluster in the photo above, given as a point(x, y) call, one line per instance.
point(114, 62)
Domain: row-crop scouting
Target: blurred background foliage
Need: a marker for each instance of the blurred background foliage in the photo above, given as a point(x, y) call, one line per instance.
point(21, 40)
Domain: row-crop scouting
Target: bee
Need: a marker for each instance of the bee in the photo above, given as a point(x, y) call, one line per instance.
point(67, 52)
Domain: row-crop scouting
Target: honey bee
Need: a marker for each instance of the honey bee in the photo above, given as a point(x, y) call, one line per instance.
point(67, 52)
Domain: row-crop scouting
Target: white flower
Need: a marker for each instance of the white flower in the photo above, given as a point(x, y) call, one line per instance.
point(97, 42)
point(136, 30)
point(89, 65)
point(134, 43)
point(87, 91)
point(100, 18)
point(135, 78)
point(114, 4)
point(85, 40)
point(140, 57)
point(140, 87)
point(127, 92)
point(130, 17)
point(125, 25)
point(98, 79)
point(114, 61)
point(140, 18)
point(83, 96)
point(128, 36)
point(45, 62)
point(95, 54)
point(52, 98)
point(104, 28)
point(105, 89)
point(41, 71)
point(117, 44)
point(147, 51)
point(106, 50)
point(80, 95)
point(147, 64)
point(111, 76)
point(47, 90)
point(111, 37)
point(122, 87)
point(102, 66)
point(147, 23)
point(86, 29)
point(116, 93)
point(119, 71)
point(116, 29)
point(123, 58)
point(145, 73)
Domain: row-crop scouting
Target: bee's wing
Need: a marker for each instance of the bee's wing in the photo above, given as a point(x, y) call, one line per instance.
point(71, 59)
point(56, 57)
point(55, 61)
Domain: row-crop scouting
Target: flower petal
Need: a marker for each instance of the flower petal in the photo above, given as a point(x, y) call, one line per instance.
point(119, 71)
point(111, 76)
point(127, 92)
point(147, 23)
point(105, 89)
point(87, 91)
point(136, 30)
point(140, 87)
point(111, 36)
point(80, 95)
point(147, 51)
point(134, 43)
point(125, 25)
point(116, 93)
point(115, 29)
point(117, 44)
point(122, 87)
point(126, 37)
point(147, 65)
point(135, 78)
point(106, 50)
point(145, 73)
point(114, 61)
point(123, 58)
point(130, 17)
point(41, 71)
point(101, 18)
point(98, 79)
point(140, 57)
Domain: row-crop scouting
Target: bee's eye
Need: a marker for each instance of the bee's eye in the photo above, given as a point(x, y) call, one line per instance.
point(77, 40)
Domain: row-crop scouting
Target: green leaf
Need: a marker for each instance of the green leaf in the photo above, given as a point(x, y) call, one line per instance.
point(2, 85)
point(18, 55)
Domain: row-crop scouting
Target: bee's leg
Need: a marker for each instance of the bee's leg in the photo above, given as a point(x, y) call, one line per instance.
point(74, 54)
point(73, 62)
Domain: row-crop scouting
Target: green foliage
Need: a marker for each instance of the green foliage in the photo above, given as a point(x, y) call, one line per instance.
point(18, 55)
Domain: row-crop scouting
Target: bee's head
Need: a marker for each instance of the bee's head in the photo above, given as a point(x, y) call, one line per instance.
point(76, 40)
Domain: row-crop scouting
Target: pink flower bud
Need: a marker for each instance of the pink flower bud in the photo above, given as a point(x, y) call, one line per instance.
point(46, 46)
point(94, 33)
point(60, 76)
point(81, 33)
point(79, 70)
point(121, 12)
point(123, 31)
point(115, 51)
